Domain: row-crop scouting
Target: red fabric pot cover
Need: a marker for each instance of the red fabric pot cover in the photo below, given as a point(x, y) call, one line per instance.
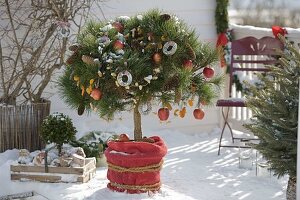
point(133, 155)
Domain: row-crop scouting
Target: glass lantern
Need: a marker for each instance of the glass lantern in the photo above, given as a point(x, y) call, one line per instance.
point(245, 155)
point(262, 166)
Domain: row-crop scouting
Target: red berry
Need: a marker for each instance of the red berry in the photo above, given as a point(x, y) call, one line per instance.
point(208, 72)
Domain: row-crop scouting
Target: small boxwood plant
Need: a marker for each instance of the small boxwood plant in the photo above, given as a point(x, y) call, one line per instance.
point(58, 128)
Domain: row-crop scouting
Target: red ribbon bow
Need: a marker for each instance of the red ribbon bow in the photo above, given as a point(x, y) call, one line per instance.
point(278, 30)
point(222, 39)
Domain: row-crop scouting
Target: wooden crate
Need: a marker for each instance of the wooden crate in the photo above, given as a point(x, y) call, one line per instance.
point(55, 174)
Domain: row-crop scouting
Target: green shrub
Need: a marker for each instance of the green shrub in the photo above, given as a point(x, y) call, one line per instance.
point(58, 128)
point(94, 142)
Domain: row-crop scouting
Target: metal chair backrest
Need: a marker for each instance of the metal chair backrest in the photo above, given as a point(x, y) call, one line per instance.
point(250, 54)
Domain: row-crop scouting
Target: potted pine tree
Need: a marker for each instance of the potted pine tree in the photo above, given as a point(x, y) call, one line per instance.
point(128, 64)
point(275, 116)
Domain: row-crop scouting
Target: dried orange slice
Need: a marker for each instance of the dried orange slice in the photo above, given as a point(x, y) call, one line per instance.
point(182, 112)
point(190, 102)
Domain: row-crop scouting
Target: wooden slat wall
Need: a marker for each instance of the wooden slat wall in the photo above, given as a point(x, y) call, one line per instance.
point(20, 126)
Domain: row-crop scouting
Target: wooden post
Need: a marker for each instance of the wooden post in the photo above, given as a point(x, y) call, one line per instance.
point(137, 123)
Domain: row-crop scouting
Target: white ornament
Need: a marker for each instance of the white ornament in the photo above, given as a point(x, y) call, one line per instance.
point(169, 48)
point(139, 17)
point(157, 70)
point(145, 108)
point(106, 28)
point(100, 49)
point(125, 18)
point(124, 78)
point(148, 79)
point(109, 60)
point(120, 52)
point(97, 61)
point(100, 73)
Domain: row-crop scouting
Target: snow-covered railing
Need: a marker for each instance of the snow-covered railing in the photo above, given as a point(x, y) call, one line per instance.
point(240, 115)
point(240, 31)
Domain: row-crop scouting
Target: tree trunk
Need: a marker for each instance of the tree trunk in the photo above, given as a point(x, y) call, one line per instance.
point(137, 123)
point(291, 189)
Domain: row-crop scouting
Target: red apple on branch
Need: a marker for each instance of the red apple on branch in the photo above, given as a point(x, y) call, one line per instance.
point(163, 114)
point(208, 72)
point(118, 45)
point(198, 113)
point(96, 94)
point(118, 26)
point(156, 58)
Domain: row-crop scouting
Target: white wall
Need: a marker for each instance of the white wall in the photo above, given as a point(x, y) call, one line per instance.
point(198, 14)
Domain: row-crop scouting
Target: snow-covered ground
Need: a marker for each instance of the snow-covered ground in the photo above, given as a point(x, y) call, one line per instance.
point(192, 170)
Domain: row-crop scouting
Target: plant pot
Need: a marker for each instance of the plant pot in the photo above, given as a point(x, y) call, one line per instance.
point(134, 167)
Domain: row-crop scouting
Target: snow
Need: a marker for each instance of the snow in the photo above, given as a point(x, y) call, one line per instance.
point(192, 171)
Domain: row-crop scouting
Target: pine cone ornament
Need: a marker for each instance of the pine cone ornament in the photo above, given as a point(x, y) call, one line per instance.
point(88, 60)
point(72, 58)
point(74, 47)
point(191, 52)
point(80, 109)
point(171, 83)
point(165, 17)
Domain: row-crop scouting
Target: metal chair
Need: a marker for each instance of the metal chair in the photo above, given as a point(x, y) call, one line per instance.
point(248, 55)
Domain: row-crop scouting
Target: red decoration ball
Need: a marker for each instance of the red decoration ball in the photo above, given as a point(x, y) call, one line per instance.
point(188, 64)
point(163, 114)
point(198, 113)
point(156, 58)
point(124, 137)
point(208, 72)
point(96, 94)
point(118, 45)
point(118, 26)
